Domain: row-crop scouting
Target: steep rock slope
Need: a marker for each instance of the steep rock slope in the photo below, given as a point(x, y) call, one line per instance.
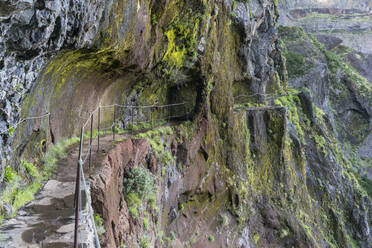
point(346, 22)
point(340, 99)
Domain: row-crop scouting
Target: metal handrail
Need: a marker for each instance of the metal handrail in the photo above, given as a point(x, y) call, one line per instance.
point(82, 158)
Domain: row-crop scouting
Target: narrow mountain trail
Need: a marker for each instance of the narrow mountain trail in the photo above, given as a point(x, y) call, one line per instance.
point(48, 220)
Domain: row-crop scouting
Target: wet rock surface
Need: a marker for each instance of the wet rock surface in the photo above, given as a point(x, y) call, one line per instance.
point(47, 221)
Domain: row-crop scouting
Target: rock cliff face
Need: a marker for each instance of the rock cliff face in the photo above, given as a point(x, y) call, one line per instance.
point(270, 155)
point(347, 22)
point(31, 33)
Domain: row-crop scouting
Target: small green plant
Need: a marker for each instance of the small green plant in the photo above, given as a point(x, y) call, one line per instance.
point(11, 130)
point(181, 207)
point(192, 241)
point(210, 238)
point(166, 157)
point(98, 221)
point(9, 174)
point(144, 242)
point(171, 238)
point(152, 203)
point(154, 19)
point(223, 220)
point(146, 223)
point(134, 202)
point(161, 237)
point(30, 168)
point(256, 237)
point(284, 233)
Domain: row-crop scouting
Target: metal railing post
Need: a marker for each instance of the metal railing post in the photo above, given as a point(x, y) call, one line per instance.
point(113, 124)
point(98, 127)
point(79, 158)
point(91, 139)
point(77, 206)
point(77, 191)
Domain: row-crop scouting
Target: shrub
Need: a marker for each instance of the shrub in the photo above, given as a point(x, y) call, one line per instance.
point(9, 174)
point(133, 202)
point(139, 181)
point(30, 169)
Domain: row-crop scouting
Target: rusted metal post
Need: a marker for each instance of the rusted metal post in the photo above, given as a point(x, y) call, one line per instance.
point(77, 191)
point(98, 127)
point(113, 124)
point(79, 158)
point(91, 139)
point(77, 206)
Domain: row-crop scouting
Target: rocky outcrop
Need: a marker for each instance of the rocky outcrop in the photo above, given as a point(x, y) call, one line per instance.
point(31, 33)
point(108, 197)
point(347, 119)
point(349, 21)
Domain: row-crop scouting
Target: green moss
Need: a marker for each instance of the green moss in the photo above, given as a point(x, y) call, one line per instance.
point(291, 103)
point(366, 184)
point(174, 55)
point(335, 63)
point(155, 139)
point(256, 238)
point(321, 142)
point(182, 34)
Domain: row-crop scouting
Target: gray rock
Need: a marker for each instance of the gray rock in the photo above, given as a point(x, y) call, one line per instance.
point(365, 150)
point(30, 32)
point(8, 209)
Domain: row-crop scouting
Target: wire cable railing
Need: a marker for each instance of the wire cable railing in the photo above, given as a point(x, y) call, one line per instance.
point(114, 119)
point(11, 129)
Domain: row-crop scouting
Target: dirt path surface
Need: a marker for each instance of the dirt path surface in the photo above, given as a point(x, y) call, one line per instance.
point(48, 220)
